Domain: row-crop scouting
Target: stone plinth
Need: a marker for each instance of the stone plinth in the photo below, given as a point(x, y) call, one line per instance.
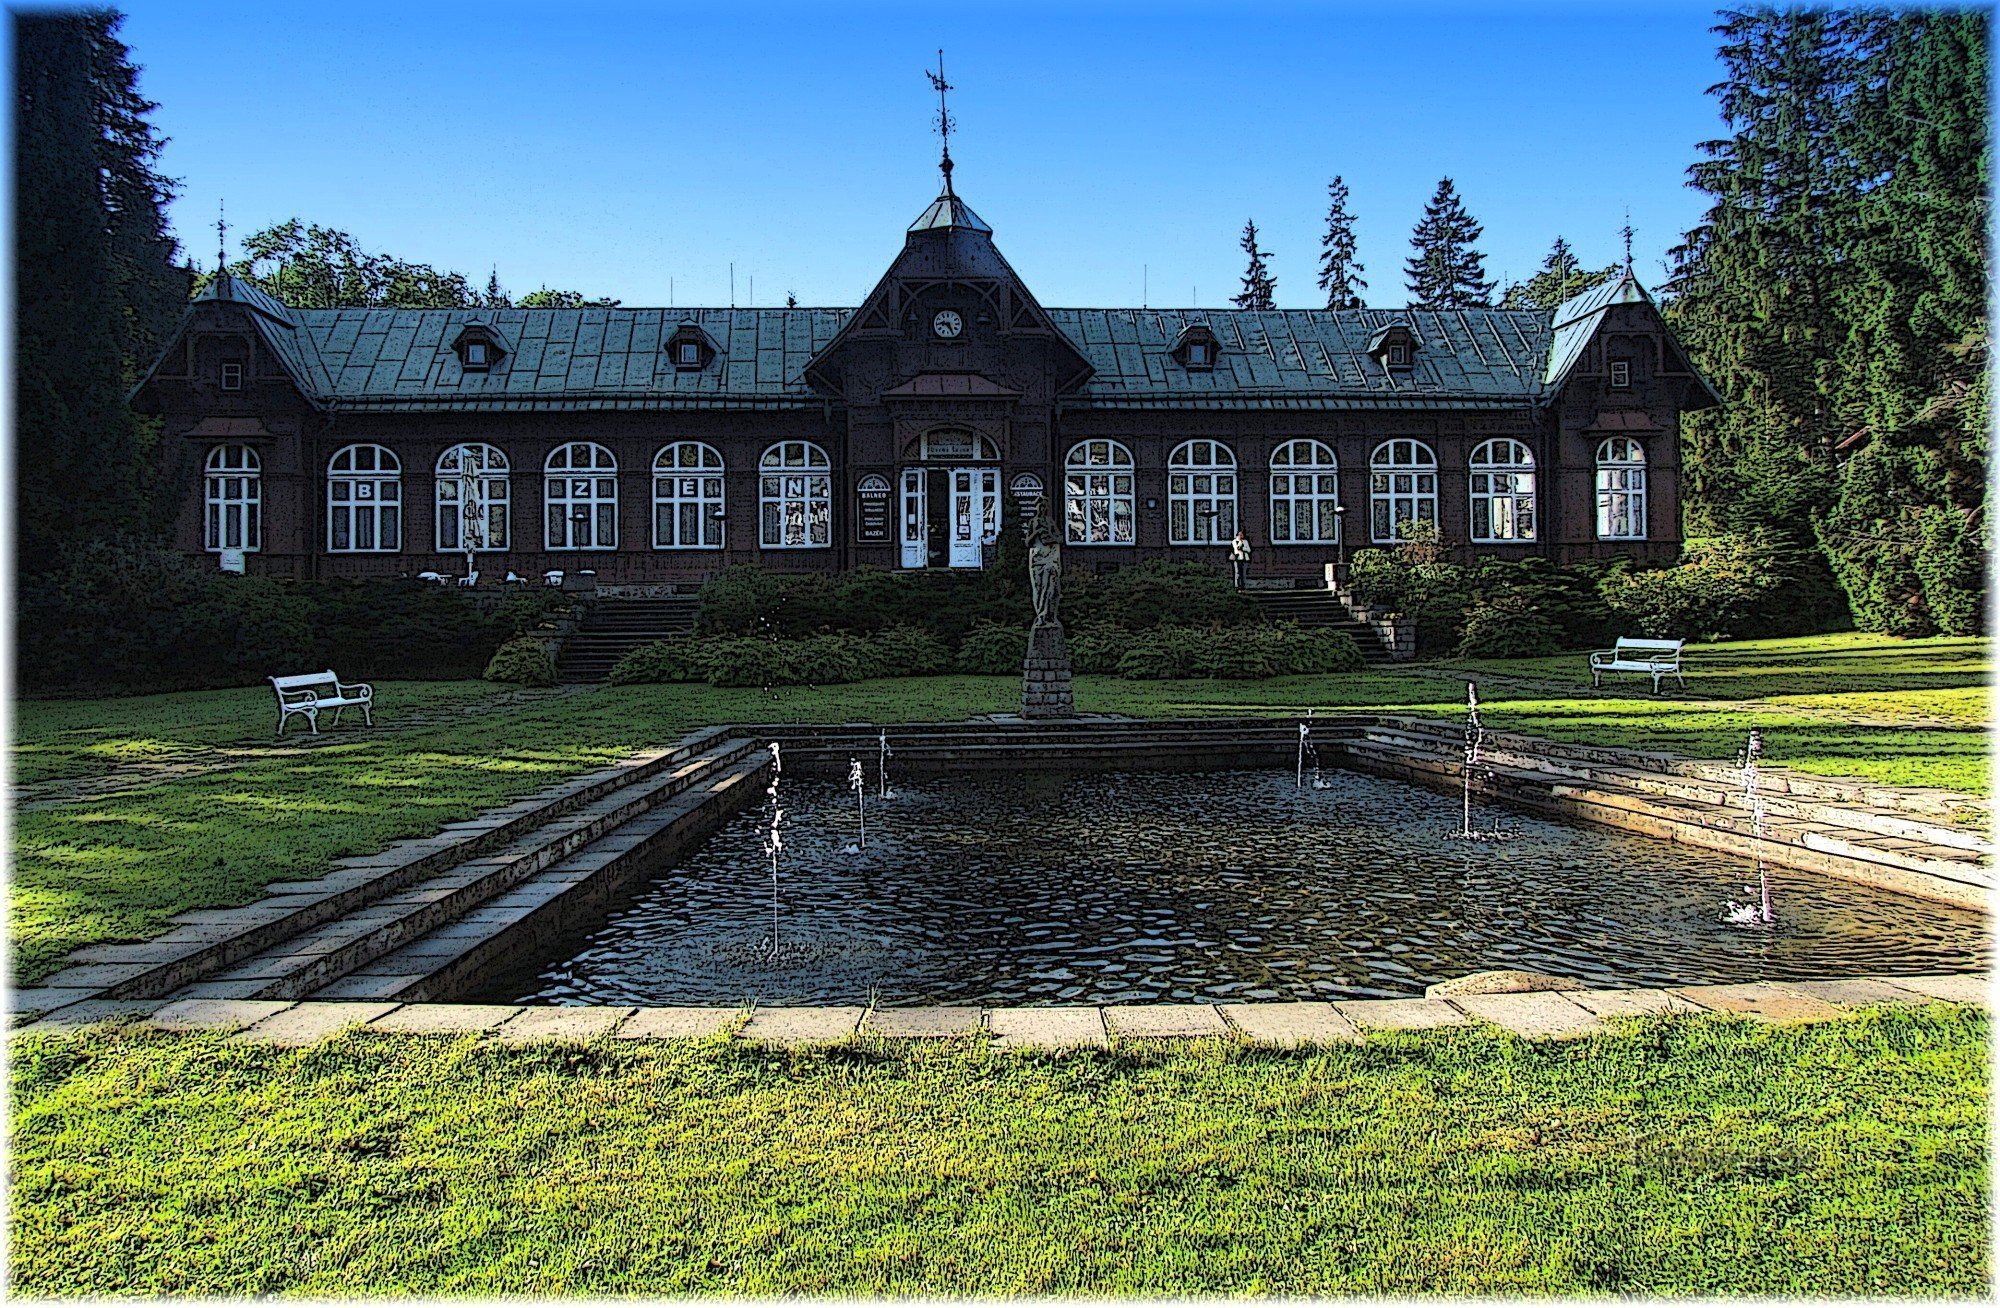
point(1045, 689)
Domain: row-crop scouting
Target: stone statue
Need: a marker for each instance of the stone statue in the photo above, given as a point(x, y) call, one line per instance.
point(1044, 563)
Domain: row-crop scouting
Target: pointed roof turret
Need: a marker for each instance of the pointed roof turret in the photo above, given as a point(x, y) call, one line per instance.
point(947, 211)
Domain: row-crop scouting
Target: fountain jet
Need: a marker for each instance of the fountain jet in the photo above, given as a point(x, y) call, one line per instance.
point(1753, 797)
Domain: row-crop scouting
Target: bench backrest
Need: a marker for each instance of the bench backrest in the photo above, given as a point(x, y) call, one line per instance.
point(304, 681)
point(1632, 645)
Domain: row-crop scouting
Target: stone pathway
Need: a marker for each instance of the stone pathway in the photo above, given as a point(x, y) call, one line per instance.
point(1532, 1015)
point(202, 760)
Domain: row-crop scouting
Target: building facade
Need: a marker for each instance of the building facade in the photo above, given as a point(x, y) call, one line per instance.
point(657, 446)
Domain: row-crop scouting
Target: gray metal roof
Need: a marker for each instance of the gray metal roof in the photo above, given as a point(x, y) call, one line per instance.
point(1309, 358)
point(1576, 320)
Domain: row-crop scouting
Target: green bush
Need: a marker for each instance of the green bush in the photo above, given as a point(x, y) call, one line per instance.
point(1279, 649)
point(1096, 647)
point(680, 659)
point(991, 650)
point(1153, 594)
point(1735, 586)
point(1507, 627)
point(523, 661)
point(909, 652)
point(134, 617)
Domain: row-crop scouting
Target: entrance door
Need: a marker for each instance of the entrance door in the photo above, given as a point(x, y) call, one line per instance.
point(916, 520)
point(975, 513)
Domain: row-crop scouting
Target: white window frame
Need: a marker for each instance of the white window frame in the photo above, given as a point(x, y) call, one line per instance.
point(688, 475)
point(491, 470)
point(1501, 479)
point(794, 497)
point(1621, 374)
point(580, 489)
point(1402, 487)
point(234, 500)
point(1201, 475)
point(1621, 489)
point(232, 374)
point(1099, 506)
point(364, 500)
point(1306, 487)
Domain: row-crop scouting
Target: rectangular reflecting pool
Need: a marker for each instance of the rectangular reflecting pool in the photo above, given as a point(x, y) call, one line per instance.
point(1014, 888)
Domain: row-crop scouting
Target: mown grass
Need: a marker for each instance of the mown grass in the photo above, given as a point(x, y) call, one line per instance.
point(117, 867)
point(1676, 1157)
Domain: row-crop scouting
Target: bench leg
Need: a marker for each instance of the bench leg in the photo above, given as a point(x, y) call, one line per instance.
point(312, 720)
point(336, 715)
point(283, 718)
point(1596, 680)
point(367, 714)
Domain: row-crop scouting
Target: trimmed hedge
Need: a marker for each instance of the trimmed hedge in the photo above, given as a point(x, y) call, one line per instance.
point(132, 617)
point(990, 649)
point(524, 661)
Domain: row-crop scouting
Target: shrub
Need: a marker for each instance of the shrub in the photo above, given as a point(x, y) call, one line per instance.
point(992, 650)
point(681, 659)
point(1741, 586)
point(1156, 593)
point(909, 651)
point(1096, 647)
point(1507, 627)
point(524, 661)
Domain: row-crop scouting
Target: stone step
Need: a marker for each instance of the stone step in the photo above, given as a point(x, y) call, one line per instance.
point(528, 915)
point(204, 941)
point(306, 962)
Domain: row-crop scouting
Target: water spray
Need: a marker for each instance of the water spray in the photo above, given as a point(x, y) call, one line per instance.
point(859, 785)
point(774, 839)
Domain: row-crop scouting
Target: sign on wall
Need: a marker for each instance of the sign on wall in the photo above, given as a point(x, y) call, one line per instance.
point(871, 516)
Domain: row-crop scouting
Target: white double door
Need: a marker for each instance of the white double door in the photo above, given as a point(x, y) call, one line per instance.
point(968, 504)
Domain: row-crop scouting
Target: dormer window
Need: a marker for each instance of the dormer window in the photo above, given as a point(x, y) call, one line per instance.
point(1195, 348)
point(479, 347)
point(232, 375)
point(1621, 374)
point(689, 349)
point(1394, 347)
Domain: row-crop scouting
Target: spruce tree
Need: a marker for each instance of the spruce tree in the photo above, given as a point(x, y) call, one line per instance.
point(1259, 287)
point(1447, 271)
point(1561, 277)
point(1339, 271)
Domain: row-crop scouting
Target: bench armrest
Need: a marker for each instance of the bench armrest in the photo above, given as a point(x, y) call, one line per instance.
point(1603, 656)
point(359, 689)
point(298, 698)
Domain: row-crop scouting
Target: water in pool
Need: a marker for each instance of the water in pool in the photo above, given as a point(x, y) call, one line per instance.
point(1018, 888)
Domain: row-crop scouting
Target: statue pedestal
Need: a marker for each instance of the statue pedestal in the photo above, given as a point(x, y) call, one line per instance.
point(1045, 688)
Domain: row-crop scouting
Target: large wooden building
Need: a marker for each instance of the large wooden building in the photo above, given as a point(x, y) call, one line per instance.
point(655, 446)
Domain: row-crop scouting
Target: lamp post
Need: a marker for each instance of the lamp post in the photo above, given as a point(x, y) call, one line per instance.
point(1340, 541)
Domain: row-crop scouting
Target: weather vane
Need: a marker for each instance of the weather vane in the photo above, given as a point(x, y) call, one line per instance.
point(221, 236)
point(944, 119)
point(1626, 231)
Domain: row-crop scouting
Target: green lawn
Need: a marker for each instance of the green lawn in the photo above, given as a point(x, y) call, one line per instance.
point(117, 867)
point(1695, 1157)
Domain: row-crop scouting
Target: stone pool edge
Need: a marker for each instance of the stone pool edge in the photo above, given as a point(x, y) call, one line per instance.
point(1535, 1015)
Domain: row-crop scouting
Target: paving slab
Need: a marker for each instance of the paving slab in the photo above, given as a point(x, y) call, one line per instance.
point(801, 1026)
point(678, 1023)
point(1537, 1015)
point(90, 1012)
point(1401, 1014)
point(1047, 1028)
point(1762, 1001)
point(241, 989)
point(216, 1014)
point(442, 1019)
point(1164, 1021)
point(1292, 1025)
point(934, 1022)
point(534, 1025)
point(33, 1001)
point(1954, 988)
point(311, 1022)
point(1640, 1002)
point(1858, 992)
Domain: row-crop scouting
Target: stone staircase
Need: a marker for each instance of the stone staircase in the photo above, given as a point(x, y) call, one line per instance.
point(619, 625)
point(1319, 607)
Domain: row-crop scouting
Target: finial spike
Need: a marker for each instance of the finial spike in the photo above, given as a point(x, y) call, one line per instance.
point(221, 237)
point(944, 119)
point(1626, 231)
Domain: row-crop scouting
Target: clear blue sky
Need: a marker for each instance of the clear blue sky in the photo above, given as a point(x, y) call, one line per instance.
point(609, 148)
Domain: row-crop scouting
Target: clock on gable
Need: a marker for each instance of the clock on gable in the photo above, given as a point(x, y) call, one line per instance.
point(947, 324)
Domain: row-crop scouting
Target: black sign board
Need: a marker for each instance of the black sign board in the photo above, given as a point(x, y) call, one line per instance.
point(871, 518)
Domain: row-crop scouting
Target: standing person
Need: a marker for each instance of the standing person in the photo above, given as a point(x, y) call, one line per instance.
point(1239, 555)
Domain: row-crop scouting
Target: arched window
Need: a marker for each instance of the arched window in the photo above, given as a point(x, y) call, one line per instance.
point(687, 497)
point(1621, 490)
point(795, 497)
point(1201, 493)
point(1503, 491)
point(472, 500)
point(235, 499)
point(580, 497)
point(1305, 494)
point(1402, 487)
point(1097, 493)
point(364, 501)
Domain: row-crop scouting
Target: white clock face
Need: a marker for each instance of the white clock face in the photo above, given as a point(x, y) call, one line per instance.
point(947, 324)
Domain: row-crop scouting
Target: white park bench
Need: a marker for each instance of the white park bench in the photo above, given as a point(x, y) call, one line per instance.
point(309, 692)
point(1657, 659)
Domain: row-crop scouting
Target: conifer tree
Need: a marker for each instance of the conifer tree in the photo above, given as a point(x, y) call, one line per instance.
point(1259, 287)
point(1561, 277)
point(1447, 271)
point(496, 297)
point(1339, 271)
